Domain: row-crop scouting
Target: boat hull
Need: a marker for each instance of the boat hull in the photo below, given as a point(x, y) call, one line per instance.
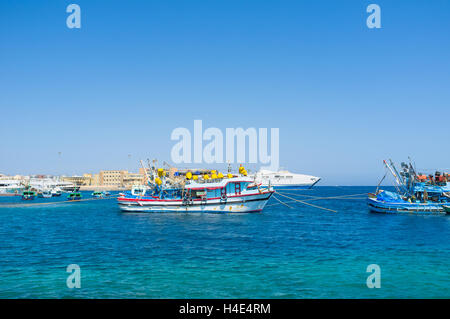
point(247, 204)
point(377, 206)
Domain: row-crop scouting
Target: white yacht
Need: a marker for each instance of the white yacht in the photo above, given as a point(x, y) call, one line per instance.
point(11, 187)
point(56, 191)
point(54, 185)
point(67, 186)
point(285, 179)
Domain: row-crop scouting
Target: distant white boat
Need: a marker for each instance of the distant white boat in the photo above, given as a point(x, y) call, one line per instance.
point(11, 187)
point(67, 186)
point(56, 191)
point(45, 193)
point(52, 184)
point(285, 179)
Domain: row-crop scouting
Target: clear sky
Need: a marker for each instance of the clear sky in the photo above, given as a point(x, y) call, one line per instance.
point(344, 96)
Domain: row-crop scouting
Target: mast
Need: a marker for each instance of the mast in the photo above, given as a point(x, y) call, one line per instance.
point(394, 173)
point(145, 172)
point(412, 173)
point(399, 177)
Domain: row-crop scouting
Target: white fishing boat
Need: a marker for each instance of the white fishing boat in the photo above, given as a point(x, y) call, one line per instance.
point(285, 179)
point(46, 193)
point(204, 193)
point(56, 191)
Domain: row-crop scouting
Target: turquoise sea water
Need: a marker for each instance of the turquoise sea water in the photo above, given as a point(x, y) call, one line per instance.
point(301, 252)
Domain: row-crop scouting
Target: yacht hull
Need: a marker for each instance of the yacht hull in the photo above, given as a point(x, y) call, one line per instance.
point(293, 186)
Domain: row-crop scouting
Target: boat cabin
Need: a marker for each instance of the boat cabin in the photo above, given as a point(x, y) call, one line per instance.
point(210, 189)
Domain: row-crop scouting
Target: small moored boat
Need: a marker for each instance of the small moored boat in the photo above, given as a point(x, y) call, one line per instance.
point(56, 192)
point(28, 195)
point(74, 196)
point(45, 194)
point(446, 208)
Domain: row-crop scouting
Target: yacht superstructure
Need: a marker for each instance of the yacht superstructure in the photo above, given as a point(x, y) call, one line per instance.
point(285, 179)
point(52, 184)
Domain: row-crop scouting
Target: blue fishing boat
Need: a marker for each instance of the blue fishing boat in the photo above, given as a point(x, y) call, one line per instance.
point(413, 194)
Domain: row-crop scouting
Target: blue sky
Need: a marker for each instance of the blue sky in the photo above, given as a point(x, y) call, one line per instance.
point(344, 96)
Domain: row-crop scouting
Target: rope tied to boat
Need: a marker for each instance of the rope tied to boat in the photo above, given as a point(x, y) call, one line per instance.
point(313, 198)
point(282, 202)
point(306, 203)
point(10, 205)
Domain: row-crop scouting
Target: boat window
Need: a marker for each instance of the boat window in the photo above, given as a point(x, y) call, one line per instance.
point(212, 193)
point(138, 192)
point(198, 193)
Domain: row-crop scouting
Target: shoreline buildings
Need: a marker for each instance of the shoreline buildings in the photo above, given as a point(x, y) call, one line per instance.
point(105, 179)
point(110, 179)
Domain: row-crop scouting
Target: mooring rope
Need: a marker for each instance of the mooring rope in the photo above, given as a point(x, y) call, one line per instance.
point(306, 203)
point(339, 197)
point(291, 201)
point(9, 205)
point(282, 202)
point(331, 197)
point(295, 194)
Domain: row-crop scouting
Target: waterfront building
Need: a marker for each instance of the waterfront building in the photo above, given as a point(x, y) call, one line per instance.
point(132, 179)
point(84, 180)
point(120, 178)
point(112, 178)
